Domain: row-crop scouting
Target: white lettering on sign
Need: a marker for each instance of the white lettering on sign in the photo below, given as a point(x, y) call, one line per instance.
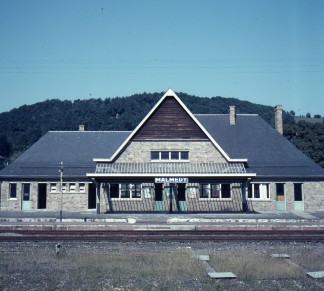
point(171, 180)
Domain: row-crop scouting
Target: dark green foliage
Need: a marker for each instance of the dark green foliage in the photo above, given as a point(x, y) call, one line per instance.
point(308, 137)
point(5, 147)
point(22, 127)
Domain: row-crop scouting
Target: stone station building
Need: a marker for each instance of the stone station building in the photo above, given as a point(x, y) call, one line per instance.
point(173, 161)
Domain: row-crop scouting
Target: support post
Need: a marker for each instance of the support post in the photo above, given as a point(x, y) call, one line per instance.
point(244, 201)
point(170, 197)
point(98, 196)
point(61, 181)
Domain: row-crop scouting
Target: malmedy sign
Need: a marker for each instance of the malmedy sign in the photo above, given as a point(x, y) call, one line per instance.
point(171, 180)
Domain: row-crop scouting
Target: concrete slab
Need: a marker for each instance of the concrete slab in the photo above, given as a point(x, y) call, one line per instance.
point(316, 275)
point(222, 275)
point(203, 257)
point(250, 220)
point(305, 215)
point(280, 256)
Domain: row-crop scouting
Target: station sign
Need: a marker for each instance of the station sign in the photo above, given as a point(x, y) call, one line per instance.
point(171, 180)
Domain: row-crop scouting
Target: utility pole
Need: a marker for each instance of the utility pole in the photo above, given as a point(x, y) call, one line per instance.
point(61, 173)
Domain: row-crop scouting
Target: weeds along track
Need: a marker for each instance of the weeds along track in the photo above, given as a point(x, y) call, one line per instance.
point(161, 235)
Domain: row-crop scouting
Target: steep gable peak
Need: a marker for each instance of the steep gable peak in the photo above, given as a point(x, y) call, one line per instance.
point(198, 130)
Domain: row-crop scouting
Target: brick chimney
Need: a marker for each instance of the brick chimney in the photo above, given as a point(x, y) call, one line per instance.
point(232, 115)
point(81, 127)
point(278, 119)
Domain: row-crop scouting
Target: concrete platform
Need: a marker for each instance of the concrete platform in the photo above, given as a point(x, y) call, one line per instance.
point(162, 221)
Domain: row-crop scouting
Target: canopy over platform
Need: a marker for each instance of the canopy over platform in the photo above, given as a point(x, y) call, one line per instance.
point(170, 168)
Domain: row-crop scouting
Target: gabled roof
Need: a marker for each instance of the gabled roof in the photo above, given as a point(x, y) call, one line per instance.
point(75, 148)
point(267, 151)
point(269, 154)
point(142, 123)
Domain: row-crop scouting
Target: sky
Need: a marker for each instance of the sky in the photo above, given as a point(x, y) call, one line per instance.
point(266, 52)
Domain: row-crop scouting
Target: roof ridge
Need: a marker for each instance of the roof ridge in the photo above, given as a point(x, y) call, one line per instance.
point(241, 114)
point(98, 131)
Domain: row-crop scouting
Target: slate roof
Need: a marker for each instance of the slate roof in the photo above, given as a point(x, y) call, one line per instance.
point(75, 148)
point(269, 154)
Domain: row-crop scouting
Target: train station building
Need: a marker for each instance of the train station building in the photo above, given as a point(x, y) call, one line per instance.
point(173, 161)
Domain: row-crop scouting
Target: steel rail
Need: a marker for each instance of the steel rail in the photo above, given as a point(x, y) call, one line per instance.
point(161, 235)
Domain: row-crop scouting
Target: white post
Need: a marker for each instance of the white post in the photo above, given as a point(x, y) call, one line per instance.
point(61, 172)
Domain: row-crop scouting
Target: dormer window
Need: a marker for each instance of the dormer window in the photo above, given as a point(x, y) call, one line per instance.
point(169, 155)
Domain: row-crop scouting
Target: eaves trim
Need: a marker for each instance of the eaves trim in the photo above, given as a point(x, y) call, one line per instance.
point(93, 175)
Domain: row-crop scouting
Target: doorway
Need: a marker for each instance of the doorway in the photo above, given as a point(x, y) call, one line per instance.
point(181, 189)
point(92, 199)
point(280, 197)
point(42, 193)
point(25, 199)
point(298, 197)
point(158, 199)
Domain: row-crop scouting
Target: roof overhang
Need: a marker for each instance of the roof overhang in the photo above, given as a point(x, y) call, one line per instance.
point(170, 169)
point(94, 175)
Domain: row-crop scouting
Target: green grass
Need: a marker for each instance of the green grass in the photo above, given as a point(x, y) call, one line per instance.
point(80, 267)
point(99, 271)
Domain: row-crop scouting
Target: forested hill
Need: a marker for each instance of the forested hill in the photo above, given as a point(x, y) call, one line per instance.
point(20, 128)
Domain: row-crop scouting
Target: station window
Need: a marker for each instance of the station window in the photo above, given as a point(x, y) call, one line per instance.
point(175, 155)
point(184, 155)
point(259, 191)
point(125, 191)
point(215, 191)
point(170, 155)
point(53, 187)
point(72, 187)
point(82, 187)
point(63, 187)
point(155, 155)
point(165, 155)
point(13, 191)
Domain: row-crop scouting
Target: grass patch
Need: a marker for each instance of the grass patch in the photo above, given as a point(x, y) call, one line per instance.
point(73, 270)
point(155, 266)
point(254, 266)
point(260, 265)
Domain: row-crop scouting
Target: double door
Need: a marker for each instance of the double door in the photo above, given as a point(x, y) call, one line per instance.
point(295, 193)
point(170, 198)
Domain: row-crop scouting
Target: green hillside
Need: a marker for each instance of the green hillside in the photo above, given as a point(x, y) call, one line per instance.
point(309, 119)
point(20, 128)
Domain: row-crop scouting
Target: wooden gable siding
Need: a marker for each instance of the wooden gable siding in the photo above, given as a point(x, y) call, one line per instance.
point(170, 121)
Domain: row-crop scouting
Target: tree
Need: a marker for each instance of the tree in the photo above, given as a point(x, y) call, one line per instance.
point(308, 115)
point(292, 113)
point(317, 116)
point(5, 147)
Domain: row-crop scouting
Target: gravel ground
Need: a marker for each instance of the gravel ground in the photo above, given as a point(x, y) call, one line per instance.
point(22, 266)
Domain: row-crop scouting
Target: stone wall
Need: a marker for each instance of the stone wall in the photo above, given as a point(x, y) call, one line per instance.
point(313, 195)
point(10, 204)
point(199, 151)
point(75, 201)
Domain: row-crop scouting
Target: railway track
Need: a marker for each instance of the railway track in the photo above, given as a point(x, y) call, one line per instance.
point(156, 235)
